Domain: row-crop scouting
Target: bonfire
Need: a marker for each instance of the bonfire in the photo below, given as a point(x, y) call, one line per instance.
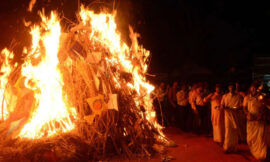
point(79, 95)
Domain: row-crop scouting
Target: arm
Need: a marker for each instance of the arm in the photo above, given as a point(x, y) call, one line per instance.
point(222, 104)
point(193, 104)
point(162, 94)
point(266, 102)
point(207, 98)
point(178, 97)
point(245, 105)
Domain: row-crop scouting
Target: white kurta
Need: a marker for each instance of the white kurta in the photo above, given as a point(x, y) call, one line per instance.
point(182, 98)
point(217, 117)
point(231, 121)
point(256, 128)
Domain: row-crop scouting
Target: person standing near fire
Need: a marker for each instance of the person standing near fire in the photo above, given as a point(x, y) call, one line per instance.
point(256, 124)
point(161, 107)
point(217, 115)
point(231, 103)
point(199, 109)
point(242, 116)
point(182, 106)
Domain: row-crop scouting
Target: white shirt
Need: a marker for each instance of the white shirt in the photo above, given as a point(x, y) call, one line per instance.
point(182, 98)
point(160, 94)
point(231, 100)
point(254, 106)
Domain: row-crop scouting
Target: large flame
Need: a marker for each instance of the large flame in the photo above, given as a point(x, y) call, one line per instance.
point(5, 72)
point(52, 113)
point(132, 60)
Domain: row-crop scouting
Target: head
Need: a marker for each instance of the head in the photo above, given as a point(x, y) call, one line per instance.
point(253, 90)
point(184, 87)
point(218, 88)
point(162, 85)
point(194, 86)
point(205, 85)
point(199, 89)
point(231, 88)
point(175, 84)
point(237, 86)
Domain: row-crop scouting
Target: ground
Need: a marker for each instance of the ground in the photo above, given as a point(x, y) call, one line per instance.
point(193, 148)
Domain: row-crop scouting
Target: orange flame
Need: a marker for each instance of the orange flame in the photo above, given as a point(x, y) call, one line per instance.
point(5, 72)
point(132, 60)
point(52, 113)
point(31, 5)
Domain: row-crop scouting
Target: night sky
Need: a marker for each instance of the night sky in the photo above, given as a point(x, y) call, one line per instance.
point(216, 36)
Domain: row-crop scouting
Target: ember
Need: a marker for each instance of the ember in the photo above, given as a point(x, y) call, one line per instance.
point(73, 94)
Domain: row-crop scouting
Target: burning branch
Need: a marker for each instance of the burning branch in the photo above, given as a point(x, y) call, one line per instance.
point(83, 92)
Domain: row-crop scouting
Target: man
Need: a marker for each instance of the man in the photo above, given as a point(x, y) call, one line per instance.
point(182, 106)
point(160, 106)
point(242, 116)
point(256, 124)
point(199, 109)
point(160, 92)
point(172, 94)
point(231, 102)
point(217, 115)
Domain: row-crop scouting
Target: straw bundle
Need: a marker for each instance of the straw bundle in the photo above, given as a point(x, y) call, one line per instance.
point(123, 132)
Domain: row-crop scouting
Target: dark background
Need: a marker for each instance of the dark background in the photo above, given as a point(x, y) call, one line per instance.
point(188, 39)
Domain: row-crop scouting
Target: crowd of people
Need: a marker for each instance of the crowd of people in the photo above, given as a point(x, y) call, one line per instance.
point(231, 118)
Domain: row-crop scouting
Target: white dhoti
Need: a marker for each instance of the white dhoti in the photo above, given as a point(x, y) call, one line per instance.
point(218, 125)
point(256, 139)
point(218, 133)
point(231, 131)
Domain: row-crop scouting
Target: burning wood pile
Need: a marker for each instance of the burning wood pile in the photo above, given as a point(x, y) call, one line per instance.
point(79, 95)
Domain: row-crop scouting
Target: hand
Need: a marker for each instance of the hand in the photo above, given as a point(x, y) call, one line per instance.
point(249, 116)
point(224, 107)
point(217, 107)
point(238, 108)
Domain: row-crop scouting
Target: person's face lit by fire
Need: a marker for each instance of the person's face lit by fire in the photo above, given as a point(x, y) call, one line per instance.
point(218, 90)
point(231, 88)
point(200, 90)
point(236, 86)
point(175, 84)
point(184, 87)
point(252, 90)
point(162, 85)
